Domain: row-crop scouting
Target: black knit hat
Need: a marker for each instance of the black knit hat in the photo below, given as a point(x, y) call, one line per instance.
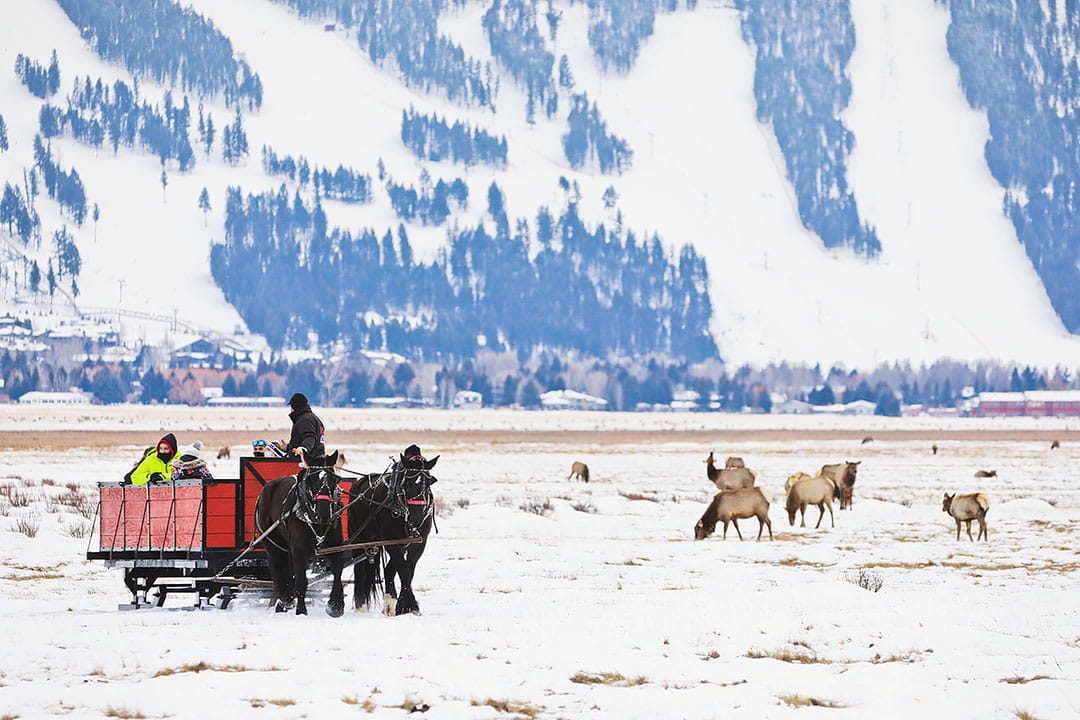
point(297, 401)
point(169, 440)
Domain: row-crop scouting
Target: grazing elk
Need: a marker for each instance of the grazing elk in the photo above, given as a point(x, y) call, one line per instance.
point(934, 448)
point(843, 475)
point(965, 508)
point(985, 473)
point(732, 506)
point(810, 491)
point(579, 471)
point(730, 478)
point(223, 453)
point(1055, 445)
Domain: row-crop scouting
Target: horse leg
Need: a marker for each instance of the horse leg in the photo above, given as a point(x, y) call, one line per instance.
point(336, 606)
point(395, 561)
point(299, 553)
point(406, 568)
point(278, 560)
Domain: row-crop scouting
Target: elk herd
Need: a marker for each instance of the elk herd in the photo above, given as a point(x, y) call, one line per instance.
point(739, 498)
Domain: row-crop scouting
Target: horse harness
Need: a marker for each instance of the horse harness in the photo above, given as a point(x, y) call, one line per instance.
point(396, 501)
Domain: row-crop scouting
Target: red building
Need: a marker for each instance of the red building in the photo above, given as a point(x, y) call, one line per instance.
point(1033, 403)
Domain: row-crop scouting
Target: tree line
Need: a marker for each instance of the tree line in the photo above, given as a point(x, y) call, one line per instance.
point(432, 138)
point(174, 45)
point(1018, 65)
point(802, 89)
point(594, 289)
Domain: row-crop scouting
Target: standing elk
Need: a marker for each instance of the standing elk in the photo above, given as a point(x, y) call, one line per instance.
point(965, 508)
point(810, 491)
point(579, 471)
point(223, 453)
point(730, 478)
point(843, 475)
point(730, 507)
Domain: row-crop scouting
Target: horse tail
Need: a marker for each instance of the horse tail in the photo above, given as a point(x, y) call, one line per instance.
point(372, 569)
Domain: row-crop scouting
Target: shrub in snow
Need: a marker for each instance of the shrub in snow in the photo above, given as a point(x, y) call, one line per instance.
point(28, 526)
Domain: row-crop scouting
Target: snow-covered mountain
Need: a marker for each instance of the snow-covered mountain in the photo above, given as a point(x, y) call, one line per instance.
point(708, 170)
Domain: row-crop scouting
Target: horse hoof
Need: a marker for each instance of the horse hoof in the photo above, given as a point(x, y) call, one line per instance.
point(335, 609)
point(281, 607)
point(390, 606)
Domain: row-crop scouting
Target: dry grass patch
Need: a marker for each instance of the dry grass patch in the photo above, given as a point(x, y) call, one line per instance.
point(804, 701)
point(122, 712)
point(511, 706)
point(1020, 680)
point(33, 576)
point(366, 705)
point(798, 562)
point(909, 657)
point(637, 496)
point(1024, 715)
point(257, 703)
point(201, 666)
point(789, 656)
point(607, 678)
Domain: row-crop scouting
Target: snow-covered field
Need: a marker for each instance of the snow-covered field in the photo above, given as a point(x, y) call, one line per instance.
point(604, 606)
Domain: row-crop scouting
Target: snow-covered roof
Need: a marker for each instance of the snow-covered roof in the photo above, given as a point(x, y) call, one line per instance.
point(40, 397)
point(265, 401)
point(570, 398)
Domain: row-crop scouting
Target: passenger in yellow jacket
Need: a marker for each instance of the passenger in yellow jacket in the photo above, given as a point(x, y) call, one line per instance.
point(155, 465)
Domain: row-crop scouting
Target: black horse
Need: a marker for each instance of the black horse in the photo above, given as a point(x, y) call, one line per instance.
point(306, 507)
point(395, 505)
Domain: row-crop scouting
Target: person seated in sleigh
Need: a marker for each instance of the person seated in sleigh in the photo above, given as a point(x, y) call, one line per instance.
point(155, 463)
point(191, 465)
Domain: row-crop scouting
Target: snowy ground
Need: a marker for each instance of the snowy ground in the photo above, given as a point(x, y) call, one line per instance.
point(602, 607)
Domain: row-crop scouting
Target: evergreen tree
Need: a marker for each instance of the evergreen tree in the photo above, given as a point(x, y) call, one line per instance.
point(3, 135)
point(53, 75)
point(204, 204)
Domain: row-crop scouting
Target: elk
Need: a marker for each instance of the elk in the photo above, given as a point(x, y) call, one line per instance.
point(730, 478)
point(965, 508)
point(811, 491)
point(580, 471)
point(731, 506)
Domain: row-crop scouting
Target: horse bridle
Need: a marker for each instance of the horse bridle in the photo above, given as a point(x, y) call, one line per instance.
point(326, 488)
point(395, 478)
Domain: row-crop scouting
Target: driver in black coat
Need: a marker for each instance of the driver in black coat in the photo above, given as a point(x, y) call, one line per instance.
point(307, 428)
